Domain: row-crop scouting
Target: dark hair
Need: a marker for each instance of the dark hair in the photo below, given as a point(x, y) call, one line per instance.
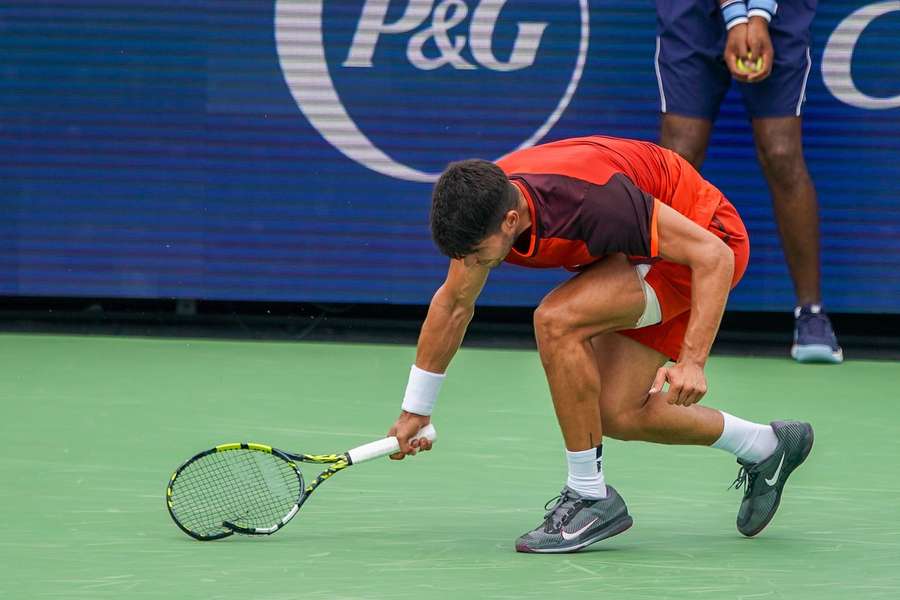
point(468, 204)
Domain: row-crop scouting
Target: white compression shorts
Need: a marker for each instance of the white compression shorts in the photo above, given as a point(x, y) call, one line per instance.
point(652, 313)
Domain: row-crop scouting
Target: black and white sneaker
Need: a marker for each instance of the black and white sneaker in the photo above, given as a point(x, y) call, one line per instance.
point(764, 481)
point(573, 523)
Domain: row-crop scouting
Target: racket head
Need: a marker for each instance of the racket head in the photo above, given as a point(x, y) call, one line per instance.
point(235, 488)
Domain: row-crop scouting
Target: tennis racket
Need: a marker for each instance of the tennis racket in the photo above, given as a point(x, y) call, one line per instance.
point(254, 489)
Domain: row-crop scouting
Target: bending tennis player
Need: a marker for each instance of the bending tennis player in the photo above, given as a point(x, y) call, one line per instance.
point(656, 249)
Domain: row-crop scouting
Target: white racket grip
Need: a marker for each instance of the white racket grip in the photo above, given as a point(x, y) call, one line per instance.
point(386, 446)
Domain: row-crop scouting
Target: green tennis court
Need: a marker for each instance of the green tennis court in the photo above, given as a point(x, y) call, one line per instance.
point(93, 427)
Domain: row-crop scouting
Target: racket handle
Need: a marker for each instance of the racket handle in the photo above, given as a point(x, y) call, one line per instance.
point(386, 446)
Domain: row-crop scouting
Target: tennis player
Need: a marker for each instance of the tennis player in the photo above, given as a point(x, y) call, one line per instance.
point(655, 249)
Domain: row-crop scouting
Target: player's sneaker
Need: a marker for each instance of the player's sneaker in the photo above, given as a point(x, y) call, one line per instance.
point(814, 339)
point(574, 522)
point(764, 481)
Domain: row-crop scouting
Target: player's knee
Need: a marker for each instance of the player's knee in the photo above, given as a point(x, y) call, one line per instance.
point(620, 426)
point(551, 324)
point(637, 424)
point(649, 416)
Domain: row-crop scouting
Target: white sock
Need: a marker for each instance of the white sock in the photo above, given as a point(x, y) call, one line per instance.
point(586, 472)
point(748, 441)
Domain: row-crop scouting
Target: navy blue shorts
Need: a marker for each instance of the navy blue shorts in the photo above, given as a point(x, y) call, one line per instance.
point(691, 71)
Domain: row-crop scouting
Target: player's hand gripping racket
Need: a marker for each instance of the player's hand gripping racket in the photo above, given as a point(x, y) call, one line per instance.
point(254, 489)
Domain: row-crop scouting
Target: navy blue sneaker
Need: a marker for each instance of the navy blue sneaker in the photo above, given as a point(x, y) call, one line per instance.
point(814, 339)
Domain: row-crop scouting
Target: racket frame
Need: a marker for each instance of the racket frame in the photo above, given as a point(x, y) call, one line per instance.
point(290, 459)
point(338, 463)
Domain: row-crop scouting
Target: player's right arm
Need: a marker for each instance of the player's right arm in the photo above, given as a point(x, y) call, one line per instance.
point(449, 314)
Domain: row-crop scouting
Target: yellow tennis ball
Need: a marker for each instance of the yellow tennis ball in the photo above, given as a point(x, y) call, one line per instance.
point(744, 68)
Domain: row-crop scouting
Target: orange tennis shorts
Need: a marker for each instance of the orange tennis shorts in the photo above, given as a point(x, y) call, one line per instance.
point(672, 284)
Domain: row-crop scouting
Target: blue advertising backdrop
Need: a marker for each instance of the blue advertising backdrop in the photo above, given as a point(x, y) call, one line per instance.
point(259, 150)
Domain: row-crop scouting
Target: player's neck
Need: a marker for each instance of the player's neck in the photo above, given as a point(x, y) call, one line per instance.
point(524, 214)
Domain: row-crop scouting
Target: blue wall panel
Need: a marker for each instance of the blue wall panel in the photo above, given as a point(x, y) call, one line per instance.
point(259, 150)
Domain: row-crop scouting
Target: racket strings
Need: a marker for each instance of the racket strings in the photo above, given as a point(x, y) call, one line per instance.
point(246, 500)
point(249, 488)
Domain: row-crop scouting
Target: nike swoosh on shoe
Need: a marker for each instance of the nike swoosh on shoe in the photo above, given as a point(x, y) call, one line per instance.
point(571, 536)
point(774, 479)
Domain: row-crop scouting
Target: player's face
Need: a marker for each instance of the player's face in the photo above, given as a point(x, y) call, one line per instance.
point(490, 252)
point(494, 248)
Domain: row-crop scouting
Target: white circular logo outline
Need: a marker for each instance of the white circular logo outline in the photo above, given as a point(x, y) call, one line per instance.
point(301, 55)
point(837, 58)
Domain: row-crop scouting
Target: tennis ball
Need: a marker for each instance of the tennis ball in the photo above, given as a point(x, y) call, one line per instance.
point(751, 68)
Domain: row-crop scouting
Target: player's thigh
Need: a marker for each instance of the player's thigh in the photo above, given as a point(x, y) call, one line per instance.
point(606, 296)
point(627, 369)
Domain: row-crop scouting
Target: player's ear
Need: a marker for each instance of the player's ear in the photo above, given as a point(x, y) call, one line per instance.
point(510, 220)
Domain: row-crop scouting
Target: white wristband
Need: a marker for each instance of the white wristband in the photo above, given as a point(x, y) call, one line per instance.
point(734, 12)
point(762, 8)
point(735, 22)
point(759, 12)
point(421, 391)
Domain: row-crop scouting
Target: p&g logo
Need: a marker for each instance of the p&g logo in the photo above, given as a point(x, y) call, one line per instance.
point(447, 15)
point(383, 81)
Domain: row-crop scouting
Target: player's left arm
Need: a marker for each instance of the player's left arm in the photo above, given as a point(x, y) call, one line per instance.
point(712, 268)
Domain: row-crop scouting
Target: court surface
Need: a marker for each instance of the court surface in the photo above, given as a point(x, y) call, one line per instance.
point(93, 427)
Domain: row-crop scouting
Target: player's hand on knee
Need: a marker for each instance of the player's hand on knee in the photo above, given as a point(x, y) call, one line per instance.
point(761, 51)
point(407, 426)
point(687, 383)
point(737, 48)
